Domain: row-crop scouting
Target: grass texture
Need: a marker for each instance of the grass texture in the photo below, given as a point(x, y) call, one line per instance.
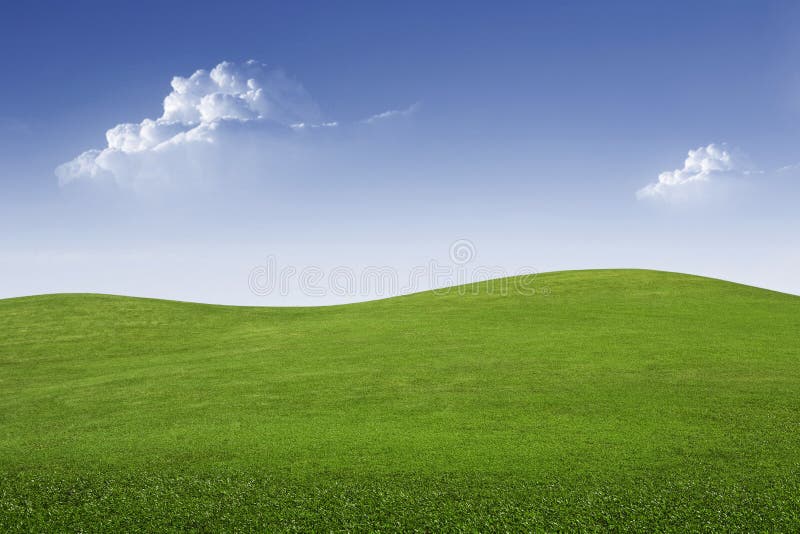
point(622, 400)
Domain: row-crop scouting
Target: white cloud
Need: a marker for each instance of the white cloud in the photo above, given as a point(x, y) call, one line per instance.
point(210, 120)
point(392, 113)
point(702, 166)
point(789, 168)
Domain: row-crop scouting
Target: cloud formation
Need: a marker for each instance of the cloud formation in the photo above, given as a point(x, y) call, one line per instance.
point(392, 113)
point(701, 166)
point(209, 118)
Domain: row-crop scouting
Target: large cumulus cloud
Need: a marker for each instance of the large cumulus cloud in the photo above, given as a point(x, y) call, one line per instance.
point(211, 119)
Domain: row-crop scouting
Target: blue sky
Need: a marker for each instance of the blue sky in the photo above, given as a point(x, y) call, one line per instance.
point(530, 129)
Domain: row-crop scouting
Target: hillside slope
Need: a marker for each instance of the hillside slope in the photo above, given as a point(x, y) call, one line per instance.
point(600, 379)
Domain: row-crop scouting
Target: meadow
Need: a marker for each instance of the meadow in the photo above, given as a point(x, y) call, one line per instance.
point(624, 400)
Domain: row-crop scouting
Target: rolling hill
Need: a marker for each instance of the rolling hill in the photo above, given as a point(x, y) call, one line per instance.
point(607, 399)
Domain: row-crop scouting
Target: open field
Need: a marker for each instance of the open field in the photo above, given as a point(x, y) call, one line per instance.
point(621, 399)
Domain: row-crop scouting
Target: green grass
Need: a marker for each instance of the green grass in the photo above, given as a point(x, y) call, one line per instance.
point(614, 399)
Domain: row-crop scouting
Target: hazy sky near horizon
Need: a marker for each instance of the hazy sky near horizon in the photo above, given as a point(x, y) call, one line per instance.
point(179, 149)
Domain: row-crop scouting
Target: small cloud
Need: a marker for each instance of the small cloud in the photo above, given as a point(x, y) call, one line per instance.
point(302, 125)
point(393, 113)
point(702, 166)
point(789, 168)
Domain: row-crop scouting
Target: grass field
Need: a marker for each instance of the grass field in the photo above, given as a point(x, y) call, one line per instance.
point(615, 399)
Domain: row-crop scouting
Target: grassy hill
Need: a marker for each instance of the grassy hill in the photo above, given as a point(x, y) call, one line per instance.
point(619, 399)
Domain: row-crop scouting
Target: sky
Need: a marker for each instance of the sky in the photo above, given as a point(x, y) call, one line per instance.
point(300, 153)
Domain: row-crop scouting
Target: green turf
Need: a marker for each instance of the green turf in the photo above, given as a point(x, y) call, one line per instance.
point(609, 399)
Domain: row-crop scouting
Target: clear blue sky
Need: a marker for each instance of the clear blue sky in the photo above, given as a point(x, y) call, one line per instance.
point(527, 128)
